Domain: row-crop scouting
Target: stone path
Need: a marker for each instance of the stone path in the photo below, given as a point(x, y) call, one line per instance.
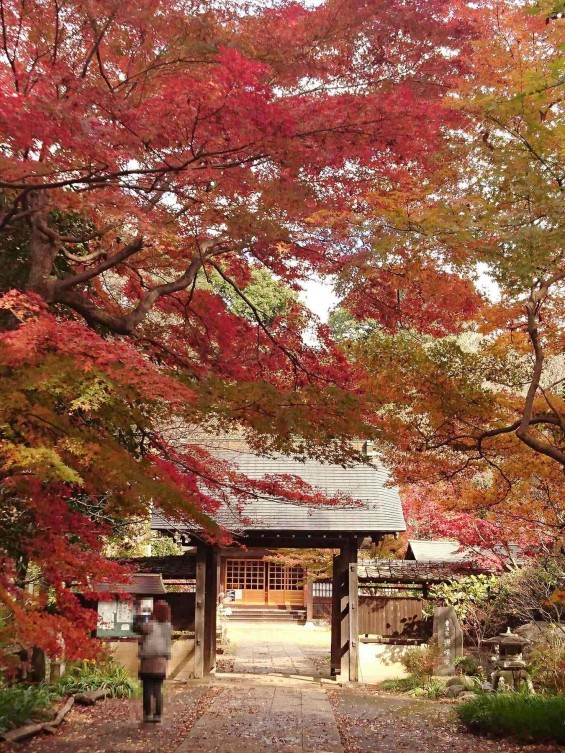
point(273, 658)
point(271, 701)
point(278, 649)
point(271, 717)
point(369, 721)
point(115, 725)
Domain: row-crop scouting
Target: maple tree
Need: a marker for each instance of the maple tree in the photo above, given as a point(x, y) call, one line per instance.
point(468, 386)
point(144, 147)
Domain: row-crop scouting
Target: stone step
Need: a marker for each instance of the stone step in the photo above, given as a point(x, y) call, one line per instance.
point(266, 614)
point(266, 621)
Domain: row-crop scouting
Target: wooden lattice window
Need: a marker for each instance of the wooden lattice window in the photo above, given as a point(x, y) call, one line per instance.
point(283, 578)
point(322, 589)
point(245, 575)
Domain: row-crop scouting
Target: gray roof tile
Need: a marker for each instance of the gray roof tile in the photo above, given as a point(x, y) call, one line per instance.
point(380, 510)
point(141, 583)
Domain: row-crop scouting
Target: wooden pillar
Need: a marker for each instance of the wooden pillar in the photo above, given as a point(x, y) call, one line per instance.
point(199, 612)
point(309, 599)
point(344, 602)
point(345, 614)
point(353, 593)
point(210, 609)
point(337, 580)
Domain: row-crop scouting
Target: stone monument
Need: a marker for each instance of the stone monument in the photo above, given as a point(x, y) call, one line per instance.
point(449, 637)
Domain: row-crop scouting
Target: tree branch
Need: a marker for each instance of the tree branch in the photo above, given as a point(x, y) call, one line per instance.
point(97, 41)
point(293, 359)
point(126, 324)
point(537, 298)
point(112, 261)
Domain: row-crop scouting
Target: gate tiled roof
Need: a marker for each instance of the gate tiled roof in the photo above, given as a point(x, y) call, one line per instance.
point(379, 509)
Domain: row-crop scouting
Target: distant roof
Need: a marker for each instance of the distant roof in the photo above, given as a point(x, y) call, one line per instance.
point(436, 551)
point(142, 584)
point(170, 566)
point(451, 551)
point(410, 571)
point(380, 510)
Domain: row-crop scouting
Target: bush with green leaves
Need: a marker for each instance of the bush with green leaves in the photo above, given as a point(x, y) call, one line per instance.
point(89, 675)
point(433, 689)
point(23, 703)
point(525, 717)
point(467, 665)
point(547, 664)
point(475, 601)
point(401, 685)
point(415, 686)
point(422, 661)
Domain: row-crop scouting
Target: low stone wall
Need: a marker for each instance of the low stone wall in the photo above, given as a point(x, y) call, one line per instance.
point(380, 661)
point(181, 665)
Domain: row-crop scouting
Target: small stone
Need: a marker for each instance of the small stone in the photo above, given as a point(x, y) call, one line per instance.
point(454, 691)
point(466, 696)
point(467, 682)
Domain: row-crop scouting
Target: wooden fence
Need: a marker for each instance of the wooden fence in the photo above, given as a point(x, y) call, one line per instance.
point(182, 609)
point(397, 619)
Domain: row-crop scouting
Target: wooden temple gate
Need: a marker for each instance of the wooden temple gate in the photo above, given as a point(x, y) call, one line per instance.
point(344, 622)
point(375, 597)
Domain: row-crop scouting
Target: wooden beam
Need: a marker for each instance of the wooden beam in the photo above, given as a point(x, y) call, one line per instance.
point(282, 541)
point(210, 609)
point(309, 599)
point(199, 613)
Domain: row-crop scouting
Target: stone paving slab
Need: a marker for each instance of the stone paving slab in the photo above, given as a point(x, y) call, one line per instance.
point(259, 658)
point(272, 703)
point(277, 718)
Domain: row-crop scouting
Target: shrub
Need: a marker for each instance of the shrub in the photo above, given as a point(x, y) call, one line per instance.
point(434, 689)
point(528, 718)
point(88, 675)
point(421, 662)
point(402, 685)
point(474, 599)
point(415, 686)
point(547, 664)
point(466, 665)
point(20, 704)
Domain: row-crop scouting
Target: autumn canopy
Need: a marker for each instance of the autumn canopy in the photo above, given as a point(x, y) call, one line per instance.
point(158, 159)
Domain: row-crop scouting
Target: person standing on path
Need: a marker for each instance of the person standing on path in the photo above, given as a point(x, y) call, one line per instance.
point(154, 653)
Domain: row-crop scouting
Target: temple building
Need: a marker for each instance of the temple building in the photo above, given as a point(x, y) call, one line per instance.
point(263, 524)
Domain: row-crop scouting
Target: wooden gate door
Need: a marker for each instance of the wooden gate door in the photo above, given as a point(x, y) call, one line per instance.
point(286, 585)
point(247, 579)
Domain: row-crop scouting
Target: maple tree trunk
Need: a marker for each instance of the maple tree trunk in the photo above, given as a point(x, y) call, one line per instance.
point(43, 250)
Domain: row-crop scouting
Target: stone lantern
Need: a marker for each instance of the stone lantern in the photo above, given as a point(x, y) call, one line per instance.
point(509, 664)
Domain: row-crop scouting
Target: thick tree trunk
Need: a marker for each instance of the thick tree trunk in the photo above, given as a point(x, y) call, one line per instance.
point(43, 249)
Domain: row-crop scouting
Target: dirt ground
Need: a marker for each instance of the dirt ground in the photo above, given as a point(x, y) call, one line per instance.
point(115, 725)
point(372, 722)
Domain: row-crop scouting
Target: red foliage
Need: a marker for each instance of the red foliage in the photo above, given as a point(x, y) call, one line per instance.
point(146, 146)
point(489, 540)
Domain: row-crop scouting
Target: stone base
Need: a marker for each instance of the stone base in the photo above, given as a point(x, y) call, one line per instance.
point(381, 661)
